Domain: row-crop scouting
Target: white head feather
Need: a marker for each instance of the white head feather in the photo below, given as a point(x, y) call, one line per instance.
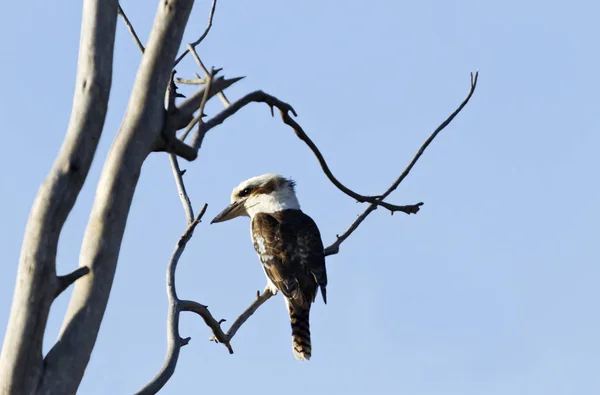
point(267, 193)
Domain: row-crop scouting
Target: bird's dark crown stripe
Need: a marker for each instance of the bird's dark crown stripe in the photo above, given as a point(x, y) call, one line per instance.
point(271, 185)
point(266, 188)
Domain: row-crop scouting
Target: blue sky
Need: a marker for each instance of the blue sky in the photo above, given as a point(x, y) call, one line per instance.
point(490, 289)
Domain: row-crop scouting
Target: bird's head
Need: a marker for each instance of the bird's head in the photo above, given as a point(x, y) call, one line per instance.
point(268, 193)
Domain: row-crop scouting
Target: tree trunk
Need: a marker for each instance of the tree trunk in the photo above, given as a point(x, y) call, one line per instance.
point(21, 363)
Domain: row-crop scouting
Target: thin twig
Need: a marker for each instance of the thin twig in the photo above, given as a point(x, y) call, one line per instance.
point(260, 299)
point(131, 29)
point(335, 247)
point(186, 109)
point(197, 81)
point(441, 127)
point(185, 200)
point(198, 118)
point(222, 96)
point(203, 36)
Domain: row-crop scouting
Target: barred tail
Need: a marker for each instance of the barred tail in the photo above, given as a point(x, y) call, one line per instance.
point(300, 331)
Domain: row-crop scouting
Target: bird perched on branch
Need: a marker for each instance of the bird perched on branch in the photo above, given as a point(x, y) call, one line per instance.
point(288, 244)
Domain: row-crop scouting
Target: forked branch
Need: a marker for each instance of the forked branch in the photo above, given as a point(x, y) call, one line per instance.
point(174, 339)
point(192, 46)
point(177, 117)
point(335, 247)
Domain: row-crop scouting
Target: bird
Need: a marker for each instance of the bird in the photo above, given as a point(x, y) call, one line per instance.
point(289, 246)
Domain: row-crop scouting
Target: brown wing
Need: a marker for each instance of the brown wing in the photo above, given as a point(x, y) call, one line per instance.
point(289, 246)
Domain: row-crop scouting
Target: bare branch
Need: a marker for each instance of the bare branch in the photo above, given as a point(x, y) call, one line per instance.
point(185, 200)
point(211, 322)
point(174, 340)
point(169, 141)
point(433, 135)
point(202, 37)
point(335, 247)
point(140, 129)
point(197, 59)
point(285, 109)
point(218, 335)
point(65, 281)
point(199, 135)
point(131, 29)
point(35, 288)
point(185, 111)
point(192, 49)
point(260, 299)
point(171, 144)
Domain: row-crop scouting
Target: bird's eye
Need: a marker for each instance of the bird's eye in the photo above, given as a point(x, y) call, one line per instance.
point(245, 192)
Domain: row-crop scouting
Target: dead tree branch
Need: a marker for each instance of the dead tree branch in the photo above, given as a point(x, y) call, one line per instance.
point(188, 108)
point(170, 143)
point(21, 365)
point(285, 109)
point(335, 247)
point(192, 46)
point(218, 335)
point(174, 339)
point(185, 200)
point(131, 29)
point(199, 136)
point(185, 111)
point(222, 96)
point(260, 299)
point(176, 306)
point(209, 320)
point(197, 81)
point(140, 129)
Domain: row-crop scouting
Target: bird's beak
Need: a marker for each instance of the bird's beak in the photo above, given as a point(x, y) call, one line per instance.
point(233, 210)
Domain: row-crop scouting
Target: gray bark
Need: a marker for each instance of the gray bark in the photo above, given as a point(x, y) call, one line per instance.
point(37, 284)
point(66, 362)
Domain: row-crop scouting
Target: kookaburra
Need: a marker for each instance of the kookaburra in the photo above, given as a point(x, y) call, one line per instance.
point(288, 244)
